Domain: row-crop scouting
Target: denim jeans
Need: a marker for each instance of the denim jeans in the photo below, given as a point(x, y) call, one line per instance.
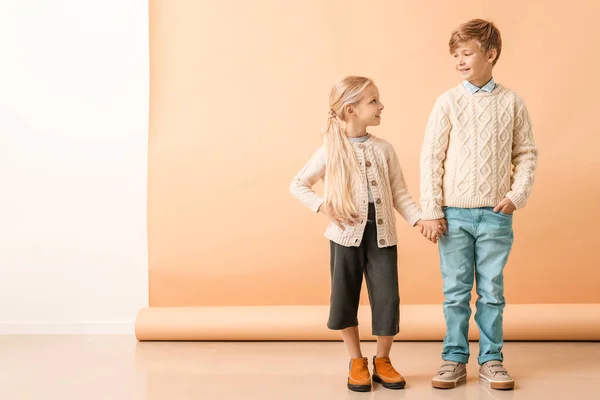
point(476, 246)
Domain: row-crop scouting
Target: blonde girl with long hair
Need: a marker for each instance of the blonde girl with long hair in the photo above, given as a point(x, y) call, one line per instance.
point(363, 184)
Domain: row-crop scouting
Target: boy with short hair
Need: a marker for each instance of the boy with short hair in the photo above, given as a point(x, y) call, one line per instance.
point(478, 164)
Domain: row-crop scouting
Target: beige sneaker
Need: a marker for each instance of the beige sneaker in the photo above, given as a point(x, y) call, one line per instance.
point(449, 375)
point(494, 374)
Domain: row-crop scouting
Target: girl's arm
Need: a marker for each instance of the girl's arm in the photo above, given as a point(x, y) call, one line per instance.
point(403, 202)
point(301, 186)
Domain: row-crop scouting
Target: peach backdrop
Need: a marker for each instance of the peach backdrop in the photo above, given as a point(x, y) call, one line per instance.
point(239, 93)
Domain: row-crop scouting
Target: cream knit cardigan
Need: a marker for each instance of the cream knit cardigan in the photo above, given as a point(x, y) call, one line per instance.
point(380, 168)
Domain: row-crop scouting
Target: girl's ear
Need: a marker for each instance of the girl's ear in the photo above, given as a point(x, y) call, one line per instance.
point(349, 109)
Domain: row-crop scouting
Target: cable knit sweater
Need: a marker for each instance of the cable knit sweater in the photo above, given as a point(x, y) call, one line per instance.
point(478, 149)
point(380, 168)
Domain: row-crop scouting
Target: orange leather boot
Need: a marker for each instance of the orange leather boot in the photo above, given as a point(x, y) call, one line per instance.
point(384, 373)
point(359, 379)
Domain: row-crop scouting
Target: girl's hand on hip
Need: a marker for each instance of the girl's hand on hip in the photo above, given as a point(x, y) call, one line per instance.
point(328, 211)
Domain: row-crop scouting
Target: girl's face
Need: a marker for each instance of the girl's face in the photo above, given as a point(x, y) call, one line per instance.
point(368, 110)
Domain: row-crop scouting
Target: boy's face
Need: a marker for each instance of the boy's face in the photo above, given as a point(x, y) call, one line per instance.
point(472, 64)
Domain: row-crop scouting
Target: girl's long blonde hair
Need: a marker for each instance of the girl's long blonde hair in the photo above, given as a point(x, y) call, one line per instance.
point(342, 167)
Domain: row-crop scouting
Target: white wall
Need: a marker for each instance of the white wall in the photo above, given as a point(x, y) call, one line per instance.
point(73, 165)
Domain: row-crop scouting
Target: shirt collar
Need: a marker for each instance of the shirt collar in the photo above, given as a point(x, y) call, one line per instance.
point(488, 87)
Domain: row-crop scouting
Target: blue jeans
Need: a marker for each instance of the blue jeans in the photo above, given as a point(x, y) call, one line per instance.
point(476, 246)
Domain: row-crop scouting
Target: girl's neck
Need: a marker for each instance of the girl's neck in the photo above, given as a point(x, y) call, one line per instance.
point(353, 131)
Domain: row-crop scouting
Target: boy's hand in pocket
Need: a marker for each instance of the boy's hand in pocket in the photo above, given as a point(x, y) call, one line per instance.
point(506, 206)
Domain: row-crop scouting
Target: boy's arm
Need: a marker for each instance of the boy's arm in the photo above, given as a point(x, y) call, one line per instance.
point(433, 154)
point(301, 186)
point(524, 158)
point(403, 202)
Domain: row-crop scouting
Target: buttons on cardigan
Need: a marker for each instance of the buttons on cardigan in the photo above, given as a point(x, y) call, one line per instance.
point(380, 221)
point(368, 163)
point(374, 182)
point(361, 146)
point(382, 241)
point(378, 201)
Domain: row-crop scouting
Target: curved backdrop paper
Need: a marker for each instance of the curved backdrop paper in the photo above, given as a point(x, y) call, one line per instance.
point(239, 94)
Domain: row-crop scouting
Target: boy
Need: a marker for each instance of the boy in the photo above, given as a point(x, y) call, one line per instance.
point(478, 164)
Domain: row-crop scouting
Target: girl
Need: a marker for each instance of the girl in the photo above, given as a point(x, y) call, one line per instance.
point(363, 184)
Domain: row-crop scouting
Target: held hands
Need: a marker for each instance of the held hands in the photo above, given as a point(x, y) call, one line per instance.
point(506, 206)
point(434, 229)
point(328, 211)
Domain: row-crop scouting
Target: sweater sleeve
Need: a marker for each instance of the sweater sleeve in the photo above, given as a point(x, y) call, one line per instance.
point(301, 186)
point(403, 202)
point(524, 158)
point(433, 154)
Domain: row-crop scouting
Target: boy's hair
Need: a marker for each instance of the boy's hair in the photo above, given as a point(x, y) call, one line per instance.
point(484, 32)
